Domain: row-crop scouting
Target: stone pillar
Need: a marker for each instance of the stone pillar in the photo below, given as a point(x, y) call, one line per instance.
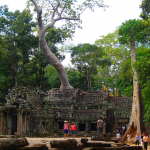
point(8, 124)
point(19, 123)
point(86, 126)
point(2, 123)
point(25, 124)
point(26, 121)
point(104, 128)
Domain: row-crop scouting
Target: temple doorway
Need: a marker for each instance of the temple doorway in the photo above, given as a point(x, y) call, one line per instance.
point(110, 121)
point(81, 126)
point(13, 123)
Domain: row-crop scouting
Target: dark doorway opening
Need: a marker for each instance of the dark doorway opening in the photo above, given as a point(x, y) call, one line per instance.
point(60, 124)
point(110, 121)
point(13, 123)
point(81, 126)
point(93, 127)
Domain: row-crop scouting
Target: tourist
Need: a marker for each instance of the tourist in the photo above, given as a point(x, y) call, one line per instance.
point(73, 128)
point(66, 128)
point(145, 141)
point(100, 127)
point(118, 135)
point(138, 139)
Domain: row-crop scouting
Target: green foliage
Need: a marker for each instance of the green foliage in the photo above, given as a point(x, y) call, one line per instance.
point(22, 63)
point(143, 65)
point(17, 38)
point(52, 76)
point(87, 58)
point(145, 9)
point(134, 30)
point(137, 31)
point(75, 78)
point(56, 36)
point(146, 97)
point(112, 76)
point(107, 62)
point(124, 80)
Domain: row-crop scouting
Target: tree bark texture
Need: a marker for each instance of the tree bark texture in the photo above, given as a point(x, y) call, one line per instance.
point(53, 60)
point(136, 119)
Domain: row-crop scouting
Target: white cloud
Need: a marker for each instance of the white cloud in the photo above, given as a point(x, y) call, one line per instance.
point(14, 4)
point(97, 23)
point(102, 22)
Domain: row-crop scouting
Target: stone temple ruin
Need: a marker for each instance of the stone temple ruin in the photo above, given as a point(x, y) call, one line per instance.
point(31, 112)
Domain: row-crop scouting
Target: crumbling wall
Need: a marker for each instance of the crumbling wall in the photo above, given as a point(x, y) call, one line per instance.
point(42, 113)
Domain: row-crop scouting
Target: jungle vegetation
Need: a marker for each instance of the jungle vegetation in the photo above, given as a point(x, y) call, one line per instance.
point(105, 65)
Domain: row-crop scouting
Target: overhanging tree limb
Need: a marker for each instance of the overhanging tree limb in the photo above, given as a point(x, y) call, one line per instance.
point(55, 11)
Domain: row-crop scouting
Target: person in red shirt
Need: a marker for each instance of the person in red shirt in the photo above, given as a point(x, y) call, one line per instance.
point(73, 129)
point(66, 128)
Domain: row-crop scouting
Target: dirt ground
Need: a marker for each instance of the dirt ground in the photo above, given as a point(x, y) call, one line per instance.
point(47, 140)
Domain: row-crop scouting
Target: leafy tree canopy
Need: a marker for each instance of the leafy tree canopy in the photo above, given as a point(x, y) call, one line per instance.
point(145, 9)
point(134, 30)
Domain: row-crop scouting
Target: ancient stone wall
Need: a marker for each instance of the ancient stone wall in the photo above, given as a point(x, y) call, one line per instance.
point(32, 112)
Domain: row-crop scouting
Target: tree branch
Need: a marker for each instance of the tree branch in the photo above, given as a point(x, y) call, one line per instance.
point(57, 19)
point(62, 10)
point(39, 13)
point(55, 10)
point(66, 18)
point(50, 25)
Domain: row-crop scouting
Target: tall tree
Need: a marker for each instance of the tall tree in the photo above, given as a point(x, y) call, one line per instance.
point(87, 58)
point(117, 53)
point(145, 9)
point(16, 44)
point(48, 14)
point(133, 32)
point(22, 62)
point(143, 65)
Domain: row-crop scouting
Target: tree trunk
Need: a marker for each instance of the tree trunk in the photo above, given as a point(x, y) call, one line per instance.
point(136, 119)
point(53, 60)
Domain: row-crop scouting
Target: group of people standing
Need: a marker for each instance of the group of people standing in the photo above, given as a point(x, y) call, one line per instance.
point(70, 128)
point(140, 139)
point(144, 139)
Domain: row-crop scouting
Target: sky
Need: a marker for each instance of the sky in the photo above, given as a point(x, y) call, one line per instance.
point(97, 23)
point(102, 22)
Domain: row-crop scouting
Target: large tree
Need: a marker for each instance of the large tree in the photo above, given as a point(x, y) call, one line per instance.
point(132, 33)
point(117, 53)
point(143, 65)
point(16, 44)
point(145, 9)
point(49, 12)
point(87, 58)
